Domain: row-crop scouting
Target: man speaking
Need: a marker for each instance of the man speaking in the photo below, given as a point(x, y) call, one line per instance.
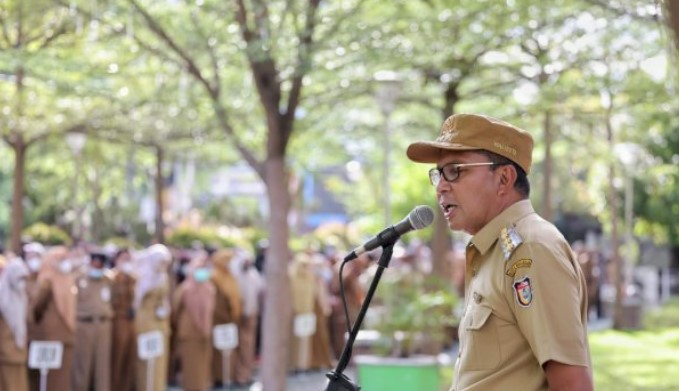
point(524, 325)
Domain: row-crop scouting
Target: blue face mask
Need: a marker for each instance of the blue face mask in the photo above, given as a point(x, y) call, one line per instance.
point(96, 273)
point(201, 274)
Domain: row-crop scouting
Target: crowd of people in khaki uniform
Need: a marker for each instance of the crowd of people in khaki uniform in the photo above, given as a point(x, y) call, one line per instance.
point(97, 306)
point(98, 313)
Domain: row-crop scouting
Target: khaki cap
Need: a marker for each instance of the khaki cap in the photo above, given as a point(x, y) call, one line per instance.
point(468, 132)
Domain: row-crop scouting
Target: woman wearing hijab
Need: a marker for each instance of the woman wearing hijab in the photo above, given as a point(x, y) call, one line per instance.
point(152, 310)
point(124, 343)
point(55, 312)
point(251, 286)
point(193, 305)
point(13, 318)
point(309, 352)
point(227, 304)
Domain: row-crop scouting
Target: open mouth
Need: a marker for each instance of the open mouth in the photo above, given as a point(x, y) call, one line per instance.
point(447, 208)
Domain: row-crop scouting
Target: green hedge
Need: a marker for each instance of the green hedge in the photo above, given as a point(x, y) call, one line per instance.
point(206, 237)
point(49, 235)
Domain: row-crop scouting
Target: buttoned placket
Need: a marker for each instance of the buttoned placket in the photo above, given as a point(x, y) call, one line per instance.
point(470, 273)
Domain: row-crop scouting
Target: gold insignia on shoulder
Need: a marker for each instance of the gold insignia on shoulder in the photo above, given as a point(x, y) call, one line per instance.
point(509, 240)
point(511, 272)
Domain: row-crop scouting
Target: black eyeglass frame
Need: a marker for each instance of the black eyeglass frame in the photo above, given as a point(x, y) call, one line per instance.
point(451, 171)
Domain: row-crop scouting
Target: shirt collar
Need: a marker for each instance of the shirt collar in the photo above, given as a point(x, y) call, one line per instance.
point(487, 236)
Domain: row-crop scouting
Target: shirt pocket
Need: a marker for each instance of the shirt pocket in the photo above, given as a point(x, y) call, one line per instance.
point(481, 350)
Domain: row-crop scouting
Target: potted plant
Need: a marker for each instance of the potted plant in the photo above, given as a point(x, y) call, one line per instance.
point(415, 316)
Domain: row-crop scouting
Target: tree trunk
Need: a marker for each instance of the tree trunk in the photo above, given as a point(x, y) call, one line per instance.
point(673, 20)
point(276, 329)
point(547, 168)
point(159, 234)
point(18, 193)
point(440, 241)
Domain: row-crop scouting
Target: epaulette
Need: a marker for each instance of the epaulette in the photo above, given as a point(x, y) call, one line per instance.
point(510, 240)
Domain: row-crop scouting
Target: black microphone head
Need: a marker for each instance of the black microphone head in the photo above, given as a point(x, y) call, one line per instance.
point(420, 217)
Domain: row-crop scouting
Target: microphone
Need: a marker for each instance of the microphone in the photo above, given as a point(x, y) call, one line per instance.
point(420, 217)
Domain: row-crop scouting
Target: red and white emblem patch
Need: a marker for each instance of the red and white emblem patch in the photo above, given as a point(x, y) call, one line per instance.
point(523, 291)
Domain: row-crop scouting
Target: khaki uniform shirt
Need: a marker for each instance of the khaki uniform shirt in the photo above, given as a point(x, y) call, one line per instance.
point(94, 299)
point(525, 304)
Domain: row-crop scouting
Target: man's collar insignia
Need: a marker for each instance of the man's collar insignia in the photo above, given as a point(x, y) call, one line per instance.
point(509, 240)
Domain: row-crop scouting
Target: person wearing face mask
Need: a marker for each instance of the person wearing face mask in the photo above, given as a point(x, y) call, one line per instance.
point(124, 344)
point(193, 306)
point(152, 310)
point(13, 333)
point(92, 359)
point(54, 312)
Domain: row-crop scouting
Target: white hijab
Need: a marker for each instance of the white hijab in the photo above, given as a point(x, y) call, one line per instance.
point(14, 299)
point(151, 265)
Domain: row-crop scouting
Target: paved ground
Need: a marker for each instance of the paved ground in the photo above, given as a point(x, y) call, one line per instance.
point(316, 381)
point(312, 381)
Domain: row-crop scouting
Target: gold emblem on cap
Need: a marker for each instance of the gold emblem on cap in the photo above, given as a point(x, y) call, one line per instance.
point(447, 136)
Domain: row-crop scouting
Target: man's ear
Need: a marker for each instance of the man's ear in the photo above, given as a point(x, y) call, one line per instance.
point(508, 177)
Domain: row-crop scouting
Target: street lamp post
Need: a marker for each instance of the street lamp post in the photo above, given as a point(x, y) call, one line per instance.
point(388, 90)
point(76, 142)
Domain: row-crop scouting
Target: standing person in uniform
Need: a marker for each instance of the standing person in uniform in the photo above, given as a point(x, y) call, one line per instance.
point(33, 256)
point(193, 306)
point(13, 318)
point(524, 324)
point(54, 313)
point(251, 285)
point(227, 305)
point(124, 343)
point(92, 358)
point(152, 309)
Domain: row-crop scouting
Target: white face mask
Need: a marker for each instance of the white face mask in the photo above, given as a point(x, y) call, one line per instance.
point(127, 268)
point(34, 263)
point(65, 266)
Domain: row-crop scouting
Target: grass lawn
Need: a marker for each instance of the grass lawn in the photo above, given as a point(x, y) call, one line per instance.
point(636, 360)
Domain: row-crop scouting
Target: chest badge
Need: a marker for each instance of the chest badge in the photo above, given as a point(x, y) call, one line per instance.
point(523, 291)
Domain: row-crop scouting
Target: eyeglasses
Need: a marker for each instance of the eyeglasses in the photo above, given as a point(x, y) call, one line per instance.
point(451, 171)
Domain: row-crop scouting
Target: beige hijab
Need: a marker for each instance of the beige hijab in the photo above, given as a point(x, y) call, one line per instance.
point(199, 299)
point(225, 281)
point(303, 283)
point(14, 299)
point(62, 285)
point(151, 265)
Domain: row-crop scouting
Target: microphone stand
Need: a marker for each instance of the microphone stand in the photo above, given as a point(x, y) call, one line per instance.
point(338, 381)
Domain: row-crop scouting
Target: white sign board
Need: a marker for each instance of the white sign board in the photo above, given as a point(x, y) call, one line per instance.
point(305, 325)
point(150, 345)
point(225, 336)
point(45, 354)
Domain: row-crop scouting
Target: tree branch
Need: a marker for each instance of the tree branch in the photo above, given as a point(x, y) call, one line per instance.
point(216, 80)
point(301, 69)
point(189, 62)
point(262, 65)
